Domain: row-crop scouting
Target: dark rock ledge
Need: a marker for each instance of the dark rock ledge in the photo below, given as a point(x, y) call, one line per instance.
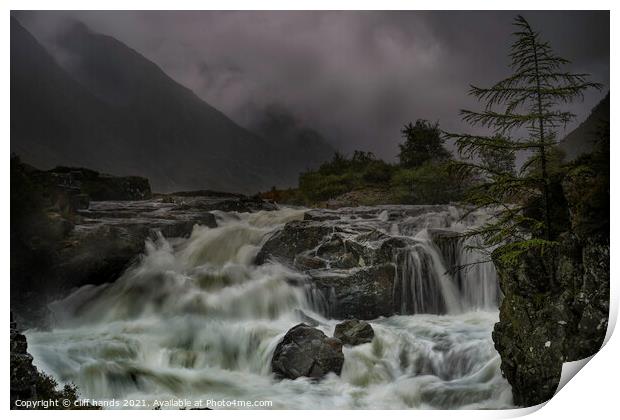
point(80, 227)
point(556, 300)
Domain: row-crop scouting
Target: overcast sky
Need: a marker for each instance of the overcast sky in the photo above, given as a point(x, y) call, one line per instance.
point(355, 76)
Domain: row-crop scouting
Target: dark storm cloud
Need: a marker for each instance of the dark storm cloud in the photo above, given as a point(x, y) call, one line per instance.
point(356, 76)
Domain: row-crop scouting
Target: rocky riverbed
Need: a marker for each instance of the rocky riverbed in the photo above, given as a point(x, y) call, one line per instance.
point(103, 238)
point(185, 296)
point(209, 314)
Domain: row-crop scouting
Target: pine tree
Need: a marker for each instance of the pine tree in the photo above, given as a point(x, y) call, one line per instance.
point(523, 113)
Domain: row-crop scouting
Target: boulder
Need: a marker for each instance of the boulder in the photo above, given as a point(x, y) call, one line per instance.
point(317, 241)
point(353, 332)
point(306, 351)
point(350, 268)
point(295, 238)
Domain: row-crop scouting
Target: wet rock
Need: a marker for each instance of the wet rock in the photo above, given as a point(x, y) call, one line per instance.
point(353, 332)
point(365, 293)
point(530, 348)
point(448, 243)
point(295, 238)
point(590, 305)
point(308, 262)
point(24, 375)
point(67, 237)
point(320, 216)
point(555, 310)
point(334, 251)
point(110, 235)
point(306, 318)
point(308, 244)
point(306, 351)
point(225, 203)
point(350, 268)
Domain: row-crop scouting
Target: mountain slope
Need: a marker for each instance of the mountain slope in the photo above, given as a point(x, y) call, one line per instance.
point(169, 122)
point(120, 113)
point(582, 138)
point(52, 115)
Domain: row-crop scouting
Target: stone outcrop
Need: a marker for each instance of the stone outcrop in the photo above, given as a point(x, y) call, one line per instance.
point(350, 264)
point(531, 331)
point(352, 271)
point(556, 300)
point(109, 235)
point(67, 238)
point(308, 352)
point(353, 332)
point(81, 185)
point(295, 238)
point(364, 293)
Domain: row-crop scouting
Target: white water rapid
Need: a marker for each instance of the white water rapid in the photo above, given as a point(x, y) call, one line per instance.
point(196, 319)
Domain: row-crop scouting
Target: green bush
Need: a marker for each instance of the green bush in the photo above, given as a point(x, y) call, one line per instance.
point(430, 183)
point(427, 184)
point(378, 171)
point(318, 187)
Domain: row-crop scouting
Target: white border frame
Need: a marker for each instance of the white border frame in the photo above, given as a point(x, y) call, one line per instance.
point(591, 395)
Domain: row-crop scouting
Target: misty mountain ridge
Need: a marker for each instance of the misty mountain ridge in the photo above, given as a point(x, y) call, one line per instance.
point(109, 108)
point(308, 149)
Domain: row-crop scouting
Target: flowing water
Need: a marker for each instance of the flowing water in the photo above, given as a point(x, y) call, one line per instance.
point(196, 319)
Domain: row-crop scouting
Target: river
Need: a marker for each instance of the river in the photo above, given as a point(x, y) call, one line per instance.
point(195, 318)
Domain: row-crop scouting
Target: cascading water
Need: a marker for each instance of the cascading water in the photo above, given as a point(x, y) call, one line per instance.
point(448, 278)
point(197, 319)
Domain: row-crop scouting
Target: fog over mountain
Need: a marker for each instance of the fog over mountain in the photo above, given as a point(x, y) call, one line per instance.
point(356, 77)
point(111, 109)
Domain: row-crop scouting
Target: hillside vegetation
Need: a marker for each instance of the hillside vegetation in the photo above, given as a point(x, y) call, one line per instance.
point(422, 176)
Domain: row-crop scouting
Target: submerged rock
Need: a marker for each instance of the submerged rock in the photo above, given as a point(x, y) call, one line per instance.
point(354, 332)
point(306, 351)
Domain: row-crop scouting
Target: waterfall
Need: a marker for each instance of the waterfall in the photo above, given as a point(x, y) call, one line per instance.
point(196, 318)
point(477, 281)
point(445, 277)
point(422, 284)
